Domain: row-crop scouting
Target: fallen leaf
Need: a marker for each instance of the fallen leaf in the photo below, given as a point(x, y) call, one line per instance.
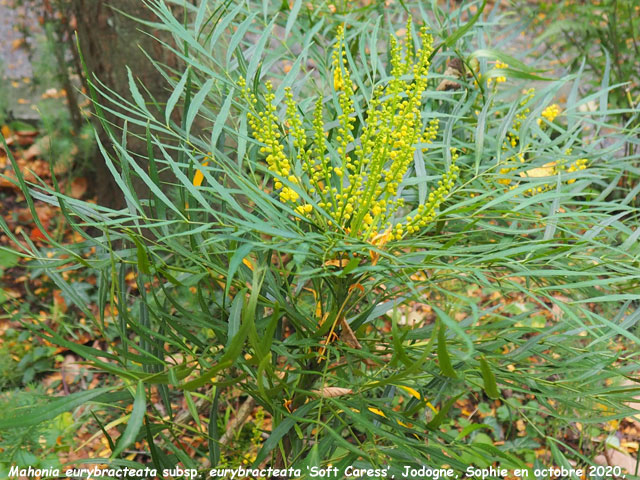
point(455, 69)
point(411, 391)
point(377, 411)
point(59, 301)
point(332, 392)
point(337, 263)
point(79, 187)
point(70, 369)
point(17, 43)
point(6, 131)
point(348, 337)
point(547, 170)
point(37, 235)
point(615, 458)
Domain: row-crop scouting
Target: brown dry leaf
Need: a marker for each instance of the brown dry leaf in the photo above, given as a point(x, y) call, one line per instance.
point(36, 150)
point(455, 69)
point(337, 263)
point(11, 293)
point(380, 240)
point(332, 392)
point(32, 152)
point(79, 187)
point(635, 404)
point(7, 183)
point(348, 337)
point(26, 137)
point(70, 369)
point(615, 458)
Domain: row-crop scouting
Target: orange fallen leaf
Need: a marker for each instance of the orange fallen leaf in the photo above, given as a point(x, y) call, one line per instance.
point(337, 262)
point(17, 43)
point(59, 301)
point(79, 187)
point(37, 235)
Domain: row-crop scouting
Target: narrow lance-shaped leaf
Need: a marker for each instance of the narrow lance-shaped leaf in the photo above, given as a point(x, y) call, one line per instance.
point(443, 355)
point(490, 386)
point(135, 421)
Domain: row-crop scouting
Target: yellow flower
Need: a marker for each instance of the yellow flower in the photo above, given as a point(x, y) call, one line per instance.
point(501, 78)
point(550, 113)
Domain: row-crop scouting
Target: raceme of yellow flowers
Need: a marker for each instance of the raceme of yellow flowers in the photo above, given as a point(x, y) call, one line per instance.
point(354, 183)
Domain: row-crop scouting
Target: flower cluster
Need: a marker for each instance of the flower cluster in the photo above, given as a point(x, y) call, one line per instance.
point(550, 113)
point(501, 78)
point(355, 178)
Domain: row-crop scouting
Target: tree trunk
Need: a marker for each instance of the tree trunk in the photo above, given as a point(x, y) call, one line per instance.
point(109, 42)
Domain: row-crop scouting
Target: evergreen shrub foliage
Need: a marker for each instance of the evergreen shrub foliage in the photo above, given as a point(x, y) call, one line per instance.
point(310, 188)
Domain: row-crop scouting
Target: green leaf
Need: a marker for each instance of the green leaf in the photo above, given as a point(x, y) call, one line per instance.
point(442, 413)
point(234, 264)
point(214, 434)
point(452, 39)
point(490, 386)
point(231, 353)
point(235, 316)
point(196, 103)
point(472, 428)
point(293, 15)
point(135, 93)
point(27, 417)
point(175, 95)
point(143, 258)
point(444, 361)
point(280, 431)
point(135, 421)
point(8, 258)
point(353, 263)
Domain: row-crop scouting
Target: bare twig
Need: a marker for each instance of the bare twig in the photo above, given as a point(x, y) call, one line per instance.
point(238, 421)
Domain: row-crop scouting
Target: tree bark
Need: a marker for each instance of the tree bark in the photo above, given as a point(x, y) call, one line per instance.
point(109, 42)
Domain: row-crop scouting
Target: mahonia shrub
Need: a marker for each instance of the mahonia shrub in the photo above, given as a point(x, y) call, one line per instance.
point(353, 184)
point(346, 251)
